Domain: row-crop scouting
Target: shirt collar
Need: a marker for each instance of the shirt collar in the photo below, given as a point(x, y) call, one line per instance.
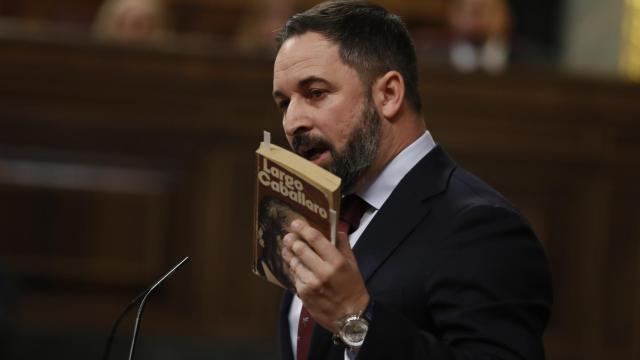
point(382, 187)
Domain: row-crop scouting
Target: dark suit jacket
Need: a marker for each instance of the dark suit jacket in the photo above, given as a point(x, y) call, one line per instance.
point(454, 271)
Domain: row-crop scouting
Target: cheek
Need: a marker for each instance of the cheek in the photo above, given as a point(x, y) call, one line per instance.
point(344, 125)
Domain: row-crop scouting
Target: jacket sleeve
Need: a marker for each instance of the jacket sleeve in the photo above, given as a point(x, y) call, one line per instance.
point(488, 298)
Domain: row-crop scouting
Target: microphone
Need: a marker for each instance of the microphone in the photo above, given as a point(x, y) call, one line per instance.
point(140, 300)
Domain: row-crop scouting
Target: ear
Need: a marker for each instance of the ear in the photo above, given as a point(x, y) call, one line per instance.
point(388, 94)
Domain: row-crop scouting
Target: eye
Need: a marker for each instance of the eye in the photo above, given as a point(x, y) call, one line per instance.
point(283, 105)
point(317, 93)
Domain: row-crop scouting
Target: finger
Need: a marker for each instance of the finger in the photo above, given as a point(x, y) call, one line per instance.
point(298, 247)
point(301, 275)
point(309, 258)
point(344, 248)
point(286, 254)
point(315, 239)
point(342, 243)
point(295, 263)
point(288, 240)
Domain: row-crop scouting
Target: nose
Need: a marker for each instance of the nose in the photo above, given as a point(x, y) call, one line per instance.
point(296, 119)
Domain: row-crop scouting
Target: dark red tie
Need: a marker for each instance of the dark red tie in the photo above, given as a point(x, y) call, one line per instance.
point(305, 328)
point(351, 211)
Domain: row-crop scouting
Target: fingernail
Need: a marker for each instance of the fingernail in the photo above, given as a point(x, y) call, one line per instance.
point(287, 240)
point(296, 224)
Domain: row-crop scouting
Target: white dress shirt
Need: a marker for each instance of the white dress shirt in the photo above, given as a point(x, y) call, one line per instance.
point(376, 194)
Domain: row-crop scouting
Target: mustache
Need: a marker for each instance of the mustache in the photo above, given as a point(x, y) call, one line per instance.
point(306, 141)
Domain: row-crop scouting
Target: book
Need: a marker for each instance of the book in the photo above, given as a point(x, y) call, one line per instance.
point(289, 187)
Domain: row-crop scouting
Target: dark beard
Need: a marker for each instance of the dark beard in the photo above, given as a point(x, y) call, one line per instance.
point(360, 151)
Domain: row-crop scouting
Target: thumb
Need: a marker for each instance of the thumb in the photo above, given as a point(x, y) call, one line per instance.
point(342, 242)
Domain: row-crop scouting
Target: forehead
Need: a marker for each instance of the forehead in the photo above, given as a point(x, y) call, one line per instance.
point(309, 55)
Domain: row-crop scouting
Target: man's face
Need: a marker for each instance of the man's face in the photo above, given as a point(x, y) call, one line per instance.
point(328, 117)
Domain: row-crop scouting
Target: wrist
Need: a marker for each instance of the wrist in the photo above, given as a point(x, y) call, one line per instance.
point(353, 328)
point(360, 305)
point(356, 307)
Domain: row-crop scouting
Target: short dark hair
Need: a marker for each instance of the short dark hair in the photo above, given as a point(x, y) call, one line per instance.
point(371, 40)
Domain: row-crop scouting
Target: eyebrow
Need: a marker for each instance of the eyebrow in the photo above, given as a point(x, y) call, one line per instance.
point(302, 83)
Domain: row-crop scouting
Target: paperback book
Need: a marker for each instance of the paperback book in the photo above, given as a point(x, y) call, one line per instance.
point(289, 187)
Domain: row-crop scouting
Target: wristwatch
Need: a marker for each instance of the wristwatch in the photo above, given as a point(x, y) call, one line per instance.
point(354, 327)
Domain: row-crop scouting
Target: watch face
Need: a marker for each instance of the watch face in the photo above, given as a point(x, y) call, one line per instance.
point(354, 331)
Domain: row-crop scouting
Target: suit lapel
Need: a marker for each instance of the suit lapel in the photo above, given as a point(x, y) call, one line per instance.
point(404, 208)
point(286, 352)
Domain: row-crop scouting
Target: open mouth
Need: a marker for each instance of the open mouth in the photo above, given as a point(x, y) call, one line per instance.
point(313, 153)
point(314, 149)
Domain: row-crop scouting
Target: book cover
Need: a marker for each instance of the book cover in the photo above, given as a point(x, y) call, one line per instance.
point(289, 187)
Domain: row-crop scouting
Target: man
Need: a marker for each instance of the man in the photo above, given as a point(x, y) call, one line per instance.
point(442, 266)
point(481, 31)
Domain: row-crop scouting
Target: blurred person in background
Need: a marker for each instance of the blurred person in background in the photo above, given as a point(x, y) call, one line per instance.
point(481, 31)
point(133, 21)
point(481, 35)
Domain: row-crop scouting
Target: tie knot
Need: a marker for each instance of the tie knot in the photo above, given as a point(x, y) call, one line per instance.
point(351, 210)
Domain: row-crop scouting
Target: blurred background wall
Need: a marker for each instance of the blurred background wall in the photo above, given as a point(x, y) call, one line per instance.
point(127, 131)
point(591, 43)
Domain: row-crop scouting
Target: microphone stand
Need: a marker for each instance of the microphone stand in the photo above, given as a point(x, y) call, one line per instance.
point(140, 300)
